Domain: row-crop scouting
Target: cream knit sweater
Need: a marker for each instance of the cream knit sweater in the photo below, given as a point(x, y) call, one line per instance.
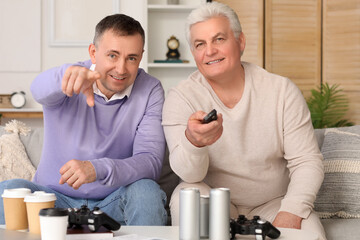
point(267, 149)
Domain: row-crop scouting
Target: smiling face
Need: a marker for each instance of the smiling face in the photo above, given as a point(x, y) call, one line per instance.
point(117, 59)
point(216, 51)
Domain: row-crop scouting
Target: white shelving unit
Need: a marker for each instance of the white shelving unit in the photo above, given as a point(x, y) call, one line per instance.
point(160, 21)
point(163, 21)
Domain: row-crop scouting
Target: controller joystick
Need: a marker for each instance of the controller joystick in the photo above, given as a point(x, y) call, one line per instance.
point(93, 219)
point(258, 227)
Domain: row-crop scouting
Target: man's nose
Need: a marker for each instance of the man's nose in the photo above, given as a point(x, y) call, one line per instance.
point(210, 49)
point(121, 66)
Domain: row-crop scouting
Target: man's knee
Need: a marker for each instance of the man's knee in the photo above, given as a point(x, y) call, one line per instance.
point(145, 203)
point(14, 183)
point(146, 189)
point(313, 224)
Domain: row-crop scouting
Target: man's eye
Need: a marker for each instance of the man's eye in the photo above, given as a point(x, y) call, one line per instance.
point(132, 58)
point(199, 45)
point(112, 56)
point(219, 40)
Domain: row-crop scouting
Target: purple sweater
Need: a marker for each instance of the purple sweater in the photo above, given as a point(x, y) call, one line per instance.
point(123, 139)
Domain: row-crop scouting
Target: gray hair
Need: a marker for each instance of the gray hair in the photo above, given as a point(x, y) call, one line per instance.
point(210, 10)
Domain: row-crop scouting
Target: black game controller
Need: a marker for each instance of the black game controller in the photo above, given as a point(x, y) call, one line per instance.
point(94, 219)
point(256, 226)
point(211, 116)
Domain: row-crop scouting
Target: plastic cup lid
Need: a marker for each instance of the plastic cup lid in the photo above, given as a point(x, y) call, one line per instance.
point(53, 212)
point(40, 196)
point(16, 193)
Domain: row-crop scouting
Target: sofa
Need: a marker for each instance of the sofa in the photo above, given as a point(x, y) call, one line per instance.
point(338, 201)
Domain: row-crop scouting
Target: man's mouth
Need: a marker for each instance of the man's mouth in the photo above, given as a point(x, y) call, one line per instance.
point(117, 78)
point(215, 61)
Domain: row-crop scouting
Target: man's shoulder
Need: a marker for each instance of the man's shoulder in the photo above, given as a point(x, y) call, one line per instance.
point(146, 78)
point(261, 76)
point(191, 90)
point(145, 81)
point(194, 82)
point(146, 85)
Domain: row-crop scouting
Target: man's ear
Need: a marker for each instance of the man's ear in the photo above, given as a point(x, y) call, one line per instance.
point(242, 42)
point(92, 53)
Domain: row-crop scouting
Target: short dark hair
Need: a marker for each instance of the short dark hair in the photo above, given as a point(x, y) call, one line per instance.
point(120, 24)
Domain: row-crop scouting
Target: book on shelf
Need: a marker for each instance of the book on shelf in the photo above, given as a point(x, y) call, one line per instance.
point(83, 233)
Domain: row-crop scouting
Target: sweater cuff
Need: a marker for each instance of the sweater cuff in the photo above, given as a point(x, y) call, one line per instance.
point(295, 207)
point(100, 169)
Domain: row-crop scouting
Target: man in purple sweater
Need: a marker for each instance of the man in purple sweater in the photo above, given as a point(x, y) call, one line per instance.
point(103, 141)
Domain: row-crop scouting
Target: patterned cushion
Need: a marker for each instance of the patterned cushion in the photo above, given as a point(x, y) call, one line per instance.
point(339, 195)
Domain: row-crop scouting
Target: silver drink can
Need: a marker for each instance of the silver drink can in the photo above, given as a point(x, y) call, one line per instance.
point(204, 216)
point(189, 226)
point(219, 214)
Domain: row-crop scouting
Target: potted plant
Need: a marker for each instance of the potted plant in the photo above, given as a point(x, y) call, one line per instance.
point(328, 106)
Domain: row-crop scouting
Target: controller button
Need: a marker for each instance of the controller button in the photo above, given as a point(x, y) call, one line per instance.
point(261, 221)
point(91, 221)
point(92, 228)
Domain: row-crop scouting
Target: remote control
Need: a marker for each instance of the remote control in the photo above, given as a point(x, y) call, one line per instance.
point(211, 116)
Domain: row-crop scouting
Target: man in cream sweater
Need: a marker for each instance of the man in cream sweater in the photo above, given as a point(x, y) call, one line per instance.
point(262, 145)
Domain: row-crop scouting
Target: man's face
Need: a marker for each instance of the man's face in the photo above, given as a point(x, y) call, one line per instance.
point(216, 51)
point(117, 59)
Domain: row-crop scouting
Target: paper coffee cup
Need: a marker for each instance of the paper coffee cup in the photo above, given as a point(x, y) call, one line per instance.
point(53, 223)
point(34, 203)
point(15, 208)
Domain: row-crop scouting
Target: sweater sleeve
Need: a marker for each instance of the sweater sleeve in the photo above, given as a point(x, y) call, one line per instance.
point(302, 153)
point(190, 163)
point(46, 87)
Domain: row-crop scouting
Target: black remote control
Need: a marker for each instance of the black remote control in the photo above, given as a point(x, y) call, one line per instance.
point(211, 116)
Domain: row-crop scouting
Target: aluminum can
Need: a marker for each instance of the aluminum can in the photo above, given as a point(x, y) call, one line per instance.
point(219, 214)
point(204, 216)
point(189, 227)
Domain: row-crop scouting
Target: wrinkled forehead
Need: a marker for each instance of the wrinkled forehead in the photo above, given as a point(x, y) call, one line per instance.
point(210, 27)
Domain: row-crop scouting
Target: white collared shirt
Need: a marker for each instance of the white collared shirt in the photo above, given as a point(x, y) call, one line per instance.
point(119, 95)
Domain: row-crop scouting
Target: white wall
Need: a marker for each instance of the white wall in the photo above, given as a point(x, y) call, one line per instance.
point(36, 35)
point(39, 34)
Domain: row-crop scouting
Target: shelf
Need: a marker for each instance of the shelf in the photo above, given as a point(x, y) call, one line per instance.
point(21, 113)
point(171, 65)
point(21, 110)
point(163, 21)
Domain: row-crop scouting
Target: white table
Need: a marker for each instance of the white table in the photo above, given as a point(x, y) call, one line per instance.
point(160, 233)
point(172, 233)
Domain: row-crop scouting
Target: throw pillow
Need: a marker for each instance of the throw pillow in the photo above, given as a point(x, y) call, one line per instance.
point(14, 162)
point(33, 143)
point(339, 195)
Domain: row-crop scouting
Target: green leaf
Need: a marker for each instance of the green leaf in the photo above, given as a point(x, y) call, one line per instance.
point(328, 105)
